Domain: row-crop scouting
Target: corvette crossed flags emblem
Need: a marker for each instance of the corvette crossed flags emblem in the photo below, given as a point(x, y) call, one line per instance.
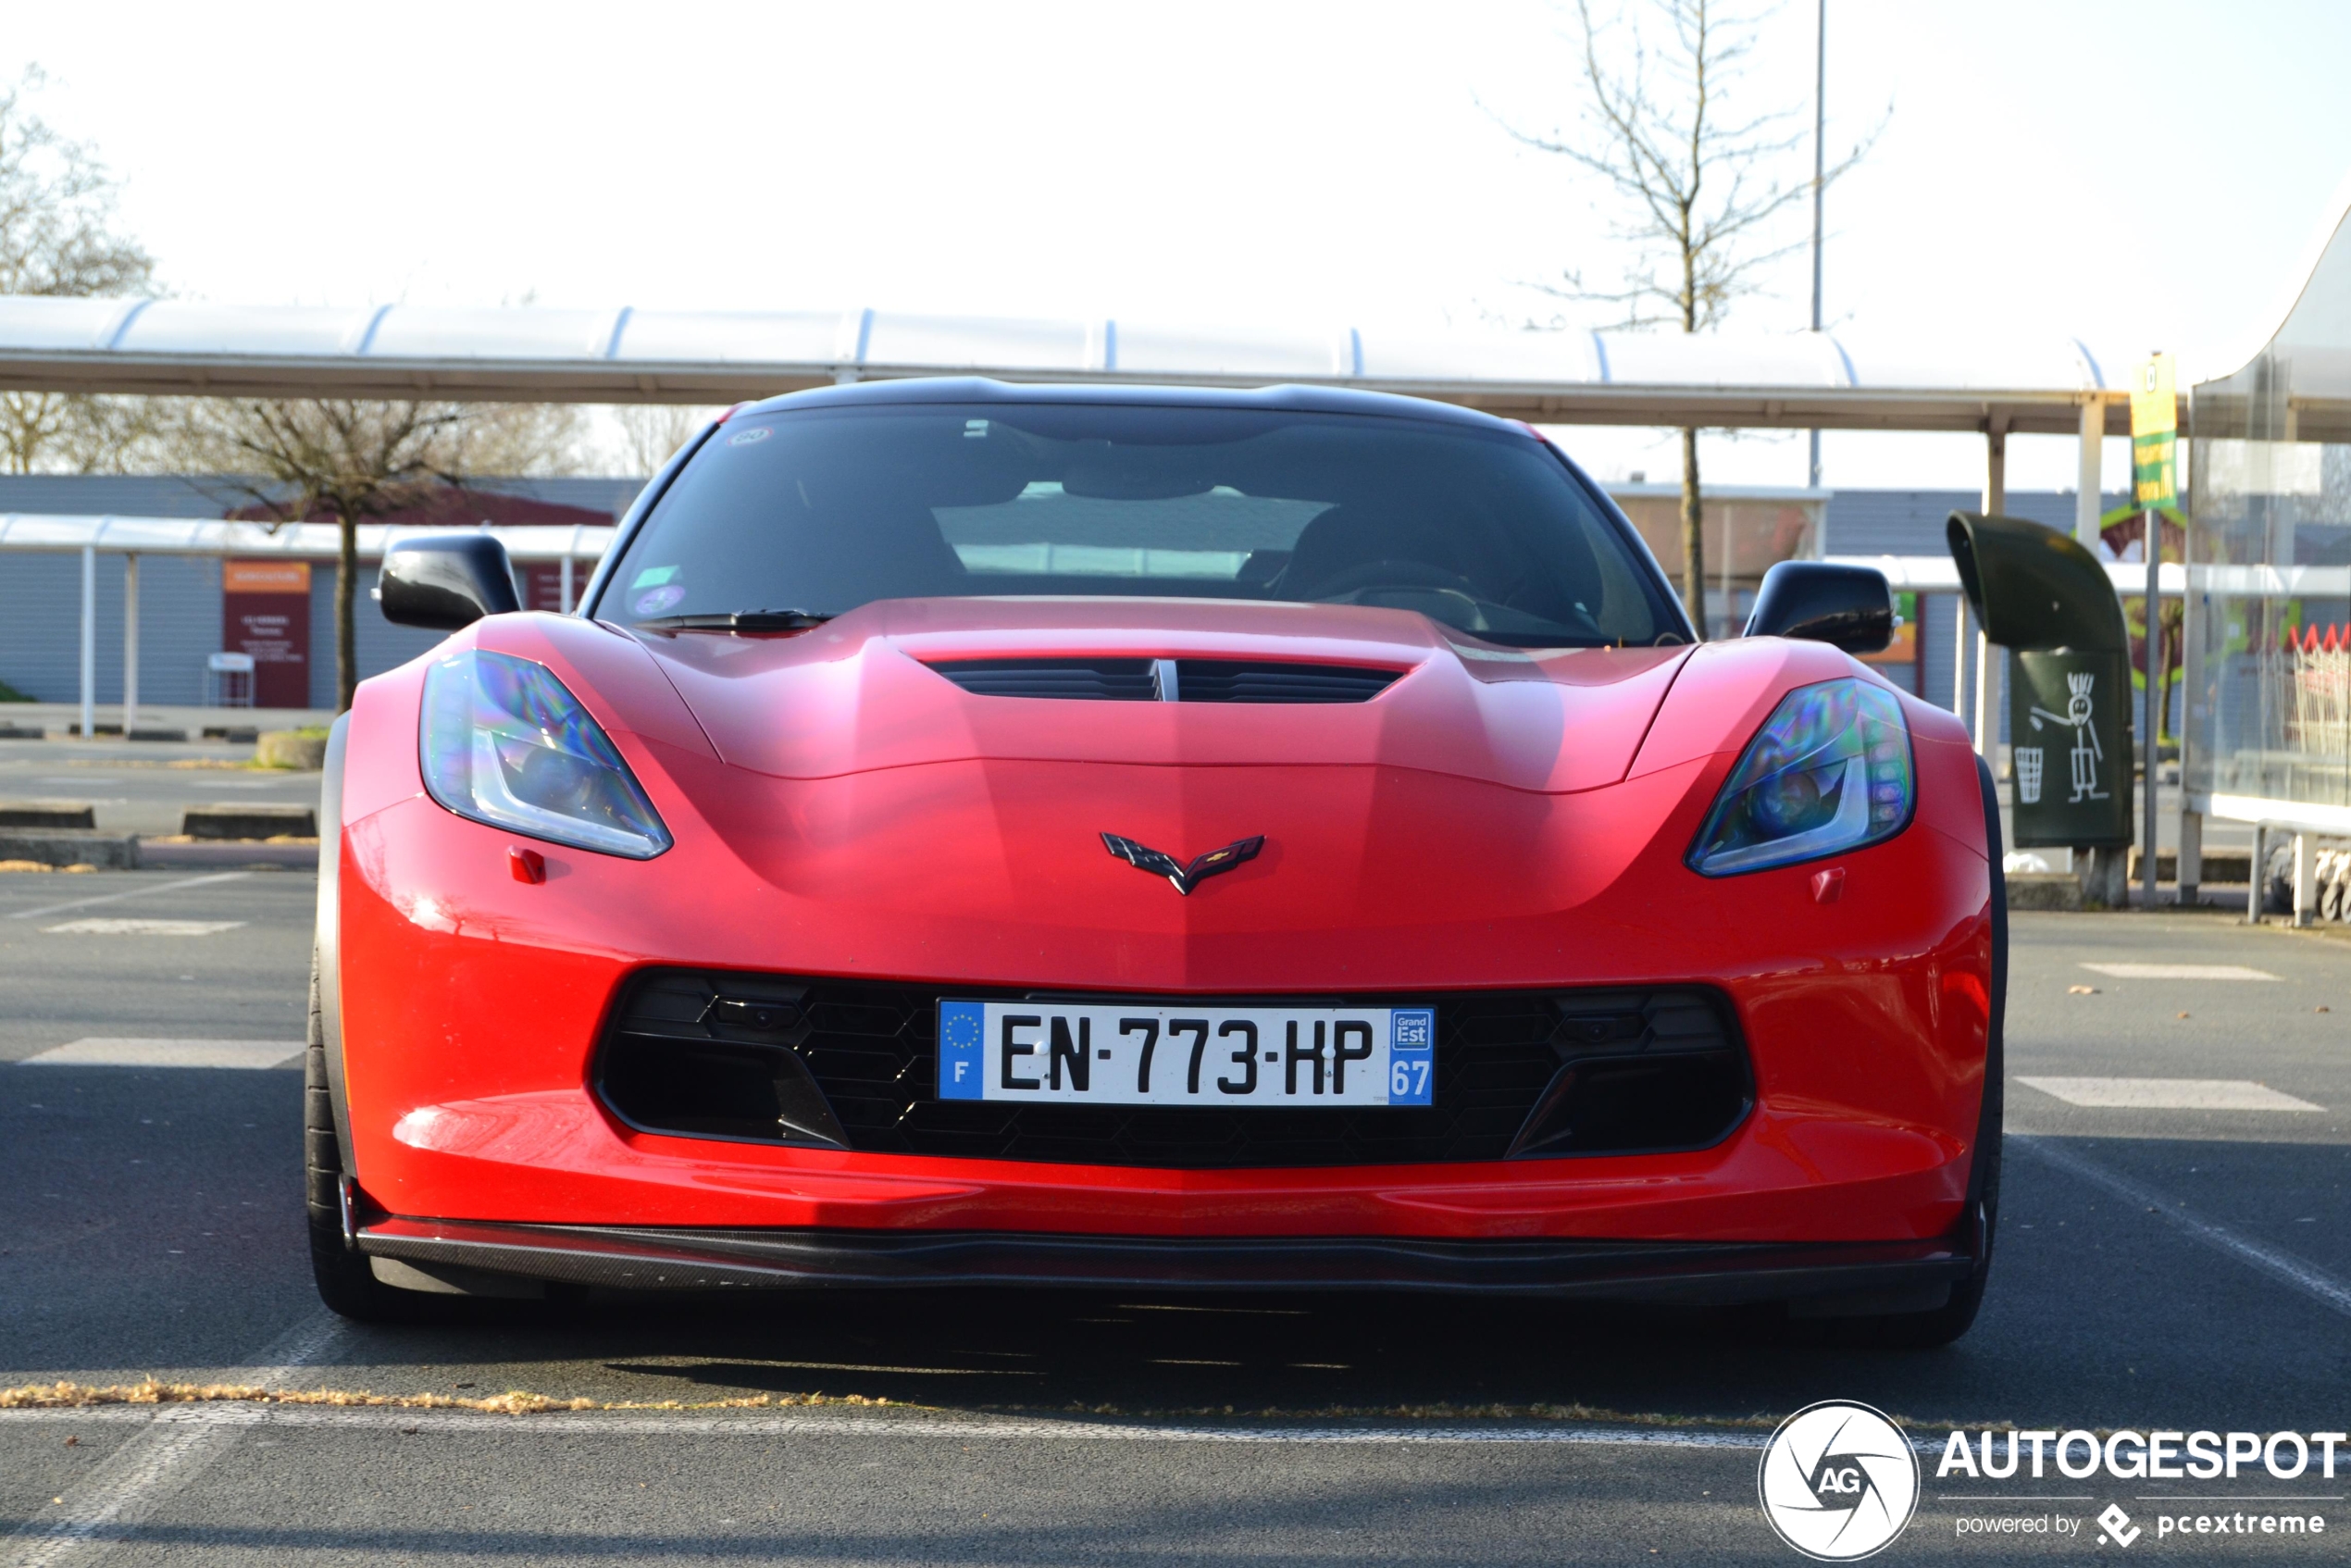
point(1185, 877)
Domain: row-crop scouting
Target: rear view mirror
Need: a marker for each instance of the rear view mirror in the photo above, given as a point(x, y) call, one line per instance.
point(447, 582)
point(1848, 607)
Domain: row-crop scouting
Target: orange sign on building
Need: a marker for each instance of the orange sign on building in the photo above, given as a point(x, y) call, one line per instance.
point(265, 611)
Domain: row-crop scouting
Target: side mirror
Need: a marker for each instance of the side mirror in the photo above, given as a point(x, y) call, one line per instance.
point(1849, 607)
point(447, 582)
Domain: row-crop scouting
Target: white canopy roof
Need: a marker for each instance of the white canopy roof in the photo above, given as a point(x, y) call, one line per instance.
point(1968, 381)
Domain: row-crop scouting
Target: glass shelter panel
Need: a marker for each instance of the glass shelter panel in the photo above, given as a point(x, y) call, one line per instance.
point(2268, 656)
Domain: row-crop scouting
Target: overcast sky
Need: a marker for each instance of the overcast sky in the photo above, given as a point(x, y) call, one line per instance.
point(2136, 174)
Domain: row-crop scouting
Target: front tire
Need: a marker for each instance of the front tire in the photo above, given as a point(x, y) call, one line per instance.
point(1940, 1325)
point(346, 1284)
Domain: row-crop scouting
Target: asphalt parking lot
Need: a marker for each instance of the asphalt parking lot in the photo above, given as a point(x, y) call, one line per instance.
point(2185, 1264)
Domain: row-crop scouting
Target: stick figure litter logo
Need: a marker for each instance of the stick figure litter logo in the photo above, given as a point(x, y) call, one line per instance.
point(1838, 1481)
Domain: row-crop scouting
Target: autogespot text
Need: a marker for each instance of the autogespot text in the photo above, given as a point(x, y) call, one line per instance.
point(2133, 1456)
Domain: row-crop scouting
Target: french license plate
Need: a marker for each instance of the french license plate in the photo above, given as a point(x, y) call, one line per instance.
point(1145, 1054)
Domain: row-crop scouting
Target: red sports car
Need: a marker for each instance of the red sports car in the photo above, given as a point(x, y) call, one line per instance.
point(1152, 838)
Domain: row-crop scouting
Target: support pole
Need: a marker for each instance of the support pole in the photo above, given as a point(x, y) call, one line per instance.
point(2261, 859)
point(2085, 498)
point(1995, 503)
point(1959, 654)
point(566, 583)
point(2152, 548)
point(89, 642)
point(129, 644)
point(2304, 900)
point(1987, 718)
point(2189, 870)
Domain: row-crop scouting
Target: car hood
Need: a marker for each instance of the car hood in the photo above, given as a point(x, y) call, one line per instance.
point(857, 693)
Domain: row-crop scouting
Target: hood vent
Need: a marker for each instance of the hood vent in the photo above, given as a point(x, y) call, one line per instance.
point(1168, 680)
point(1096, 680)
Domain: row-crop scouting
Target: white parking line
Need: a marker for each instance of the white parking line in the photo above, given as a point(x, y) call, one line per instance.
point(127, 893)
point(101, 1052)
point(2180, 971)
point(866, 1424)
point(180, 1444)
point(2170, 1094)
point(101, 926)
point(2311, 1280)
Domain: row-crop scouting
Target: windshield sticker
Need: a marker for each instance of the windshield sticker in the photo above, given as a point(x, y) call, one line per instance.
point(653, 577)
point(660, 599)
point(744, 438)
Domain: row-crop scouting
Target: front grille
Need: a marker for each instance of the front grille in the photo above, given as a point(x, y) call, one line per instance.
point(1189, 680)
point(1518, 1073)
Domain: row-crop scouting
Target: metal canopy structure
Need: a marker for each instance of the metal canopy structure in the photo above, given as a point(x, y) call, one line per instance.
point(1798, 381)
point(315, 541)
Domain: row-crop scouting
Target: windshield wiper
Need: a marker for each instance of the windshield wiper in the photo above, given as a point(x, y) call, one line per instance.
point(737, 620)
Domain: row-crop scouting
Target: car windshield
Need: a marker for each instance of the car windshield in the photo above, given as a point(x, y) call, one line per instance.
point(821, 510)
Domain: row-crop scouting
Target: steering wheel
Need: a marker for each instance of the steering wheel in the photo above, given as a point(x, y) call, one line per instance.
point(1394, 573)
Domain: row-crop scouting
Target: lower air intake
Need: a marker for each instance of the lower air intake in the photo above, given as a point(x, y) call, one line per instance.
point(776, 1059)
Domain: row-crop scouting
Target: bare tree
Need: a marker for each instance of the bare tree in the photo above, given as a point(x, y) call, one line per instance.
point(515, 440)
point(1696, 179)
point(58, 237)
point(351, 462)
point(652, 432)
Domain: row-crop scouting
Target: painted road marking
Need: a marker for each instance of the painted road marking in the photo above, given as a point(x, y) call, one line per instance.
point(100, 926)
point(2309, 1279)
point(645, 1423)
point(129, 893)
point(2170, 1094)
point(96, 1053)
point(180, 1444)
point(2181, 971)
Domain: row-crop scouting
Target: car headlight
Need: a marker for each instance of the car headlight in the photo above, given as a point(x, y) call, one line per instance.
point(1829, 771)
point(504, 743)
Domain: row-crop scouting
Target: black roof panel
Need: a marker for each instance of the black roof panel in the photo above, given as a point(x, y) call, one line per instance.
point(1286, 397)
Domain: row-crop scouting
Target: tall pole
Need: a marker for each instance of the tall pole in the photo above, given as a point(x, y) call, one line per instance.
point(2154, 554)
point(1820, 167)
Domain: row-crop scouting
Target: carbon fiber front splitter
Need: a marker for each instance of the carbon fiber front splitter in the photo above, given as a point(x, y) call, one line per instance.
point(633, 1258)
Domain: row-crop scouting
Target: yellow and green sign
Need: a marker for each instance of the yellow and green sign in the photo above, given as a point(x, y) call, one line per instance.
point(2154, 435)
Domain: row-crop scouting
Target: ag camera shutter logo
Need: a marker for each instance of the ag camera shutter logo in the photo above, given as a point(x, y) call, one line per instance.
point(1838, 1481)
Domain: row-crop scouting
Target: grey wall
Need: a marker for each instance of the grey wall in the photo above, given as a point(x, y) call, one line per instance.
point(40, 626)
